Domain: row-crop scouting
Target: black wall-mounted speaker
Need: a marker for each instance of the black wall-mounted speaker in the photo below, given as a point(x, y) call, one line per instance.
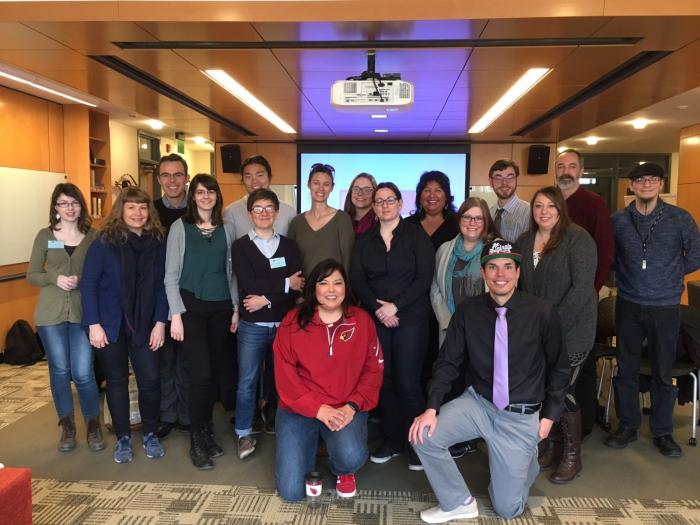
point(538, 160)
point(230, 158)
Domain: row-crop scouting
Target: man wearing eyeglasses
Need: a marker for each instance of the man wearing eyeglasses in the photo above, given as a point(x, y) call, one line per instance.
point(174, 411)
point(588, 210)
point(256, 174)
point(511, 215)
point(657, 244)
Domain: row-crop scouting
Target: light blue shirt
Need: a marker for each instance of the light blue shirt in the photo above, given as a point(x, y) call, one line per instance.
point(515, 219)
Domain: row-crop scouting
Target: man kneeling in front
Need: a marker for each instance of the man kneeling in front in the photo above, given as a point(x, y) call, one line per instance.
point(510, 345)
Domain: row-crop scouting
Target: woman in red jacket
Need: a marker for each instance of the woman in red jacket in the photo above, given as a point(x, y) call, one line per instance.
point(328, 370)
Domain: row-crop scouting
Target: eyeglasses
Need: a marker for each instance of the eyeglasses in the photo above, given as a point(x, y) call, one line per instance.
point(202, 193)
point(166, 175)
point(322, 167)
point(389, 201)
point(469, 218)
point(64, 204)
point(364, 190)
point(498, 178)
point(651, 179)
point(257, 210)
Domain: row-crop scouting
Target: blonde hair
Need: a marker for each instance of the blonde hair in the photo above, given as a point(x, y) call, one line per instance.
point(115, 229)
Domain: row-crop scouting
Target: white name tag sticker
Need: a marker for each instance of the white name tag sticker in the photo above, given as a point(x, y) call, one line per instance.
point(278, 262)
point(55, 244)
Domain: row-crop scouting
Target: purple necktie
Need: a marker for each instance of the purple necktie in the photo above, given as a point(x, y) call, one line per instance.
point(500, 360)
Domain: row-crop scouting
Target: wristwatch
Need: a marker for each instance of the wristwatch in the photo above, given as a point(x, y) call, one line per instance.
point(353, 406)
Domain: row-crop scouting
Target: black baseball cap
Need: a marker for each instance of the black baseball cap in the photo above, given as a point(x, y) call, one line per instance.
point(646, 169)
point(499, 249)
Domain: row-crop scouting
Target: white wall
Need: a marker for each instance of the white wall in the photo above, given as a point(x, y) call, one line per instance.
point(123, 145)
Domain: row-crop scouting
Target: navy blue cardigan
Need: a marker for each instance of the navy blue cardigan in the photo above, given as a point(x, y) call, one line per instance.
point(100, 289)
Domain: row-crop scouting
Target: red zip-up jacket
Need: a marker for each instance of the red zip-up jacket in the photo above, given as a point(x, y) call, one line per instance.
point(328, 364)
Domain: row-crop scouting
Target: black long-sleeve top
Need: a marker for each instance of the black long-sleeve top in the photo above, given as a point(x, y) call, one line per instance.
point(402, 275)
point(538, 365)
point(256, 276)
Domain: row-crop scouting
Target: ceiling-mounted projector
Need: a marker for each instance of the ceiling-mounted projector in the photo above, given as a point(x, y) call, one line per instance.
point(372, 92)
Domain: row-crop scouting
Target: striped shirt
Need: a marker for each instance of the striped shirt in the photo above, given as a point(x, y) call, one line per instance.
point(515, 218)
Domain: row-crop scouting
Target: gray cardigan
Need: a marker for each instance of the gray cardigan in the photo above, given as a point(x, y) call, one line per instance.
point(173, 266)
point(566, 277)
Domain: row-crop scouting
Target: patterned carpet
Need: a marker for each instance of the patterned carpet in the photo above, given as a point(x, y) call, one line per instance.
point(22, 391)
point(121, 503)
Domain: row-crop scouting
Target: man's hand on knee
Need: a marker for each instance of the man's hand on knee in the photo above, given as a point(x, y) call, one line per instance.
point(427, 419)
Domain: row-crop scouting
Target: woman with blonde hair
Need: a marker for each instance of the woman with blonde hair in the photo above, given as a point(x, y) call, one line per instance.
point(56, 266)
point(125, 311)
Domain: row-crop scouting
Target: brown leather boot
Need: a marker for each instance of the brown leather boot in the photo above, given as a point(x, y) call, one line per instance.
point(67, 442)
point(570, 464)
point(94, 435)
point(549, 450)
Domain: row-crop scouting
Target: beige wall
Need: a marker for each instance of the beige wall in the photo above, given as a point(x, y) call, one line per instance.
point(124, 147)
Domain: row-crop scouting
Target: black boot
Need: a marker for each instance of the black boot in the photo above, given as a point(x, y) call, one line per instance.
point(570, 464)
point(213, 449)
point(198, 450)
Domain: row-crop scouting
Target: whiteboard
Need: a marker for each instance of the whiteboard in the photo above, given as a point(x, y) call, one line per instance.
point(25, 196)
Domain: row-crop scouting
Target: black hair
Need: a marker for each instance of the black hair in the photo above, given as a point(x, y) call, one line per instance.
point(389, 186)
point(306, 310)
point(444, 182)
point(322, 168)
point(208, 182)
point(262, 194)
point(257, 159)
point(173, 157)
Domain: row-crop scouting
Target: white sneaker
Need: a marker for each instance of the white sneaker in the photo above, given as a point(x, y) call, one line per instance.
point(437, 515)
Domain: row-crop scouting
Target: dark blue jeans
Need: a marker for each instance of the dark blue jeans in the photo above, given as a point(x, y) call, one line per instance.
point(297, 445)
point(660, 326)
point(401, 397)
point(114, 359)
point(254, 343)
point(70, 355)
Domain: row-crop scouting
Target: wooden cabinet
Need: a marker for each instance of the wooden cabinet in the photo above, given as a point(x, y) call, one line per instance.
point(100, 177)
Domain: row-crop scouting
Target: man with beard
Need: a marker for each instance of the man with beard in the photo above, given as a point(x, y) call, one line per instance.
point(588, 210)
point(511, 215)
point(657, 244)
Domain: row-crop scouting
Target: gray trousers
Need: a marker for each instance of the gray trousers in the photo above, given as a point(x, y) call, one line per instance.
point(512, 445)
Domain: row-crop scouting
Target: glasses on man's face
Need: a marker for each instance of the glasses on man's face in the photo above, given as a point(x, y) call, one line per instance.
point(203, 193)
point(469, 218)
point(389, 201)
point(166, 175)
point(364, 190)
point(650, 179)
point(68, 204)
point(322, 167)
point(500, 179)
point(257, 210)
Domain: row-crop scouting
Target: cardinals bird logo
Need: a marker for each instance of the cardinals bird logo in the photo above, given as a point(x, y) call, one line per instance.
point(347, 334)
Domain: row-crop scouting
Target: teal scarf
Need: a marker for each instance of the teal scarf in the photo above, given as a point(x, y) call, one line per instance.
point(472, 261)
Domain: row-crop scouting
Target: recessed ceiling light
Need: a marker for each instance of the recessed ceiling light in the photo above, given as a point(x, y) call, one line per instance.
point(199, 140)
point(682, 106)
point(15, 78)
point(693, 140)
point(517, 90)
point(229, 84)
point(156, 124)
point(592, 140)
point(378, 116)
point(381, 131)
point(562, 149)
point(640, 123)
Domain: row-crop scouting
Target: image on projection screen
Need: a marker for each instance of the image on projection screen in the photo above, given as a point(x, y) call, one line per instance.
point(403, 169)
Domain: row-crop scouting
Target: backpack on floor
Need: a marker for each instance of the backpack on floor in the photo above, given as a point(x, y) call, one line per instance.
point(22, 345)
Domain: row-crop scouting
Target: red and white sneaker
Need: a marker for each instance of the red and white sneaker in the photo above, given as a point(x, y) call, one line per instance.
point(346, 486)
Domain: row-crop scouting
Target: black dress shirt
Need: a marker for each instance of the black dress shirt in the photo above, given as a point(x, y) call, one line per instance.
point(402, 275)
point(447, 231)
point(538, 366)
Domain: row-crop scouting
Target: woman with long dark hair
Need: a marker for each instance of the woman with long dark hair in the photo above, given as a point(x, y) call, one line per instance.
point(559, 264)
point(328, 370)
point(392, 268)
point(125, 311)
point(203, 299)
point(435, 209)
point(358, 202)
point(56, 266)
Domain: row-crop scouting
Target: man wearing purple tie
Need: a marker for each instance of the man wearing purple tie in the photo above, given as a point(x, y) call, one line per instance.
point(511, 347)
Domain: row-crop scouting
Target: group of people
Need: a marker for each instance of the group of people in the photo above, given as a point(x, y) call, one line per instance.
point(459, 324)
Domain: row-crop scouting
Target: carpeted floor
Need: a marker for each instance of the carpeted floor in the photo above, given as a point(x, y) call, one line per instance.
point(112, 503)
point(23, 390)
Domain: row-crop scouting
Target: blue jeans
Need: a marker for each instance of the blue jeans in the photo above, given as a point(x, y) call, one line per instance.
point(70, 356)
point(297, 445)
point(254, 342)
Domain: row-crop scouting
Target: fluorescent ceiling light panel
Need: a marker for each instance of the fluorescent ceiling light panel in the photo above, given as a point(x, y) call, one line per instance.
point(381, 131)
point(229, 84)
point(156, 124)
point(517, 90)
point(46, 89)
point(378, 116)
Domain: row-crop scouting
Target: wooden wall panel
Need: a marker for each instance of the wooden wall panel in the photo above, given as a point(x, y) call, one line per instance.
point(484, 155)
point(24, 126)
point(77, 147)
point(56, 153)
point(17, 301)
point(689, 181)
